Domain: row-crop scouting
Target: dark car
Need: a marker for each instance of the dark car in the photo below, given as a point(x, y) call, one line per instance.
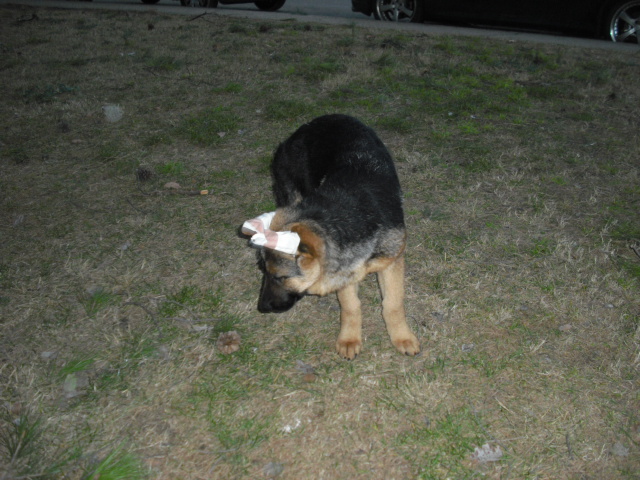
point(618, 20)
point(266, 5)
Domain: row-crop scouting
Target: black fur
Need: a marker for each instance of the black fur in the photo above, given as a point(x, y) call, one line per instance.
point(343, 177)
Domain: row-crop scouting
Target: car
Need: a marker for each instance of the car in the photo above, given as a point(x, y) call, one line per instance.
point(266, 5)
point(618, 20)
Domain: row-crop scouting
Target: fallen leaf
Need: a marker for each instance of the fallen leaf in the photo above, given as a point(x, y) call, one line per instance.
point(487, 453)
point(172, 185)
point(304, 367)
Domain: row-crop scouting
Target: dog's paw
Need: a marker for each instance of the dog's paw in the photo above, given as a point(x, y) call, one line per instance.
point(407, 345)
point(348, 349)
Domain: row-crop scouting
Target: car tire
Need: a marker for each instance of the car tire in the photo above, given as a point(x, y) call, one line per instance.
point(623, 22)
point(199, 3)
point(150, 2)
point(269, 5)
point(399, 10)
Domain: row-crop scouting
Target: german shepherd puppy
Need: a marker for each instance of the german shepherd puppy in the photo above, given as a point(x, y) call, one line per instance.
point(338, 194)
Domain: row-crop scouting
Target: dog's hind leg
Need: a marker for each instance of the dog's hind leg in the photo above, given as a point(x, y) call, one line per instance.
point(350, 338)
point(391, 281)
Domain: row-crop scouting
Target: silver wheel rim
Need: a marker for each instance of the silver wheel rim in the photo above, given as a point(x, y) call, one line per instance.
point(395, 10)
point(625, 24)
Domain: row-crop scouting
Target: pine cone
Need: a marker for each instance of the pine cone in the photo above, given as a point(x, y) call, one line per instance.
point(143, 174)
point(228, 342)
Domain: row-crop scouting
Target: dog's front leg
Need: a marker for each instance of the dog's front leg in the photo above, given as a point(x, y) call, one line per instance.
point(350, 339)
point(391, 281)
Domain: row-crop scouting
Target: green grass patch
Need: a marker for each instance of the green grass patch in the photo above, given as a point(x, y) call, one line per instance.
point(211, 126)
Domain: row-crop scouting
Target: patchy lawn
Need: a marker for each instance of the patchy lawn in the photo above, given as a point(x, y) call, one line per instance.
point(520, 167)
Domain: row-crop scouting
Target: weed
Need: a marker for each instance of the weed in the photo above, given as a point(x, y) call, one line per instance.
point(74, 366)
point(47, 93)
point(444, 443)
point(23, 448)
point(314, 69)
point(210, 127)
point(20, 437)
point(98, 300)
point(541, 247)
point(117, 465)
point(288, 110)
point(396, 124)
point(164, 63)
point(170, 168)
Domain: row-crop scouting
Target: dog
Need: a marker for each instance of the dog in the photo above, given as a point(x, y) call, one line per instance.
point(339, 218)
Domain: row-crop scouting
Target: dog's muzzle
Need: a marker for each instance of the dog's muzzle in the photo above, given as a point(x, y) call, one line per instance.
point(274, 298)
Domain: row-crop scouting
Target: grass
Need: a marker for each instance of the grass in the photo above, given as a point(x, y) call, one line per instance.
point(519, 167)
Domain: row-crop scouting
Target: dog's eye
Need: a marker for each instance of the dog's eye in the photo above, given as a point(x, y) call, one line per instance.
point(279, 279)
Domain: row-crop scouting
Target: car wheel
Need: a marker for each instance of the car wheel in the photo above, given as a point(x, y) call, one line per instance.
point(270, 5)
point(623, 22)
point(199, 3)
point(399, 10)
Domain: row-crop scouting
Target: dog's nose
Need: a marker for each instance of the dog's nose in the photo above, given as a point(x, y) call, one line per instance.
point(270, 305)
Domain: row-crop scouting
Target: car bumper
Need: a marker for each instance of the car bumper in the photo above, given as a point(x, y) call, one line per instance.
point(362, 6)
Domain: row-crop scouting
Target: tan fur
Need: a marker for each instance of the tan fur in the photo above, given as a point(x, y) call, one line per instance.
point(316, 281)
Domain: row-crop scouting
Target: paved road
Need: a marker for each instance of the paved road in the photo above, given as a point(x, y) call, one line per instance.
point(328, 8)
point(331, 12)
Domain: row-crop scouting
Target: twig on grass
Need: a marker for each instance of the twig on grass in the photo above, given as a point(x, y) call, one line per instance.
point(568, 442)
point(148, 312)
point(182, 305)
point(139, 210)
point(635, 246)
point(175, 191)
point(196, 17)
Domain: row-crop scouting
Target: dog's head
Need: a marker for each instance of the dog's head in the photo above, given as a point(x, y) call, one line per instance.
point(288, 276)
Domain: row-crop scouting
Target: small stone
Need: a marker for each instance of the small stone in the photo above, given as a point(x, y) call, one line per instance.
point(619, 450)
point(75, 384)
point(309, 378)
point(273, 469)
point(143, 174)
point(113, 113)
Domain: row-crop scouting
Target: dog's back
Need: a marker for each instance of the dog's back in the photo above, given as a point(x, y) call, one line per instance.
point(338, 172)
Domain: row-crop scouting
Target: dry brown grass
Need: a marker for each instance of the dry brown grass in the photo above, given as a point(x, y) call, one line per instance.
point(520, 170)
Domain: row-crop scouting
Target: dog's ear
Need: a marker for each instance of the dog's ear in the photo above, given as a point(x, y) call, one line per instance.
point(311, 244)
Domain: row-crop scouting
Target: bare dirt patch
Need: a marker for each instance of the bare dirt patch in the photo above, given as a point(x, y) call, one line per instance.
point(519, 164)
